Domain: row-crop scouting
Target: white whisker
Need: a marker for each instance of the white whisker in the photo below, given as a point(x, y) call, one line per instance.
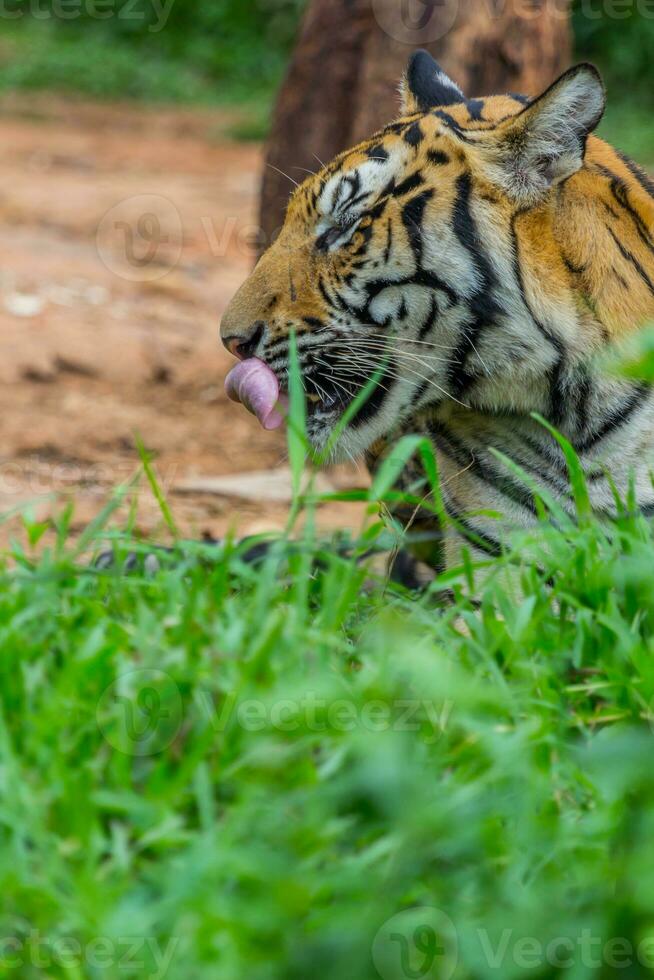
point(393, 338)
point(288, 177)
point(373, 350)
point(427, 380)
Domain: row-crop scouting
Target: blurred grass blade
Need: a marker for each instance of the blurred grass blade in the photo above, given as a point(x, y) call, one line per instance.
point(92, 531)
point(297, 419)
point(393, 466)
point(156, 488)
point(635, 358)
point(351, 411)
point(539, 492)
point(575, 470)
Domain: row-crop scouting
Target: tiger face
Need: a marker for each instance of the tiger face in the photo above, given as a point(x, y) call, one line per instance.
point(456, 257)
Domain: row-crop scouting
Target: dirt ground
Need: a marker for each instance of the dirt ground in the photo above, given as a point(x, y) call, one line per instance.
point(124, 233)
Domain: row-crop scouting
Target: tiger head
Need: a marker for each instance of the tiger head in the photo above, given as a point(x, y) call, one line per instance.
point(474, 254)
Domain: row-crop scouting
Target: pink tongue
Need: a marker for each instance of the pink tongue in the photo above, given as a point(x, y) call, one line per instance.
point(254, 385)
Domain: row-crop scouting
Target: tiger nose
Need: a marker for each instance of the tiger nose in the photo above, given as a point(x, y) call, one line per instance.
point(245, 344)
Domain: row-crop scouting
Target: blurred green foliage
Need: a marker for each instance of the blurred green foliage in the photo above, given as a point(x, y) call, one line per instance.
point(619, 36)
point(229, 50)
point(223, 771)
point(235, 51)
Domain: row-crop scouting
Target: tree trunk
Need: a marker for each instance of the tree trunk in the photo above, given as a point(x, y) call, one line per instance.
point(342, 82)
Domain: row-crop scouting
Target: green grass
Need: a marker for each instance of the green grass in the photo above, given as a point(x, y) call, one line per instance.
point(220, 771)
point(211, 66)
point(37, 60)
point(629, 127)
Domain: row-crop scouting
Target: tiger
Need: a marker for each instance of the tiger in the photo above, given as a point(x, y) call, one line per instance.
point(479, 257)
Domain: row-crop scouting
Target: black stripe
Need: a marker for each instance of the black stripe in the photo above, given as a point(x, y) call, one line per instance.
point(483, 305)
point(643, 179)
point(558, 389)
point(423, 277)
point(335, 302)
point(437, 157)
point(411, 183)
point(378, 210)
point(452, 124)
point(430, 322)
point(376, 399)
point(628, 257)
point(466, 458)
point(622, 282)
point(394, 128)
point(582, 392)
point(620, 192)
point(576, 270)
point(357, 200)
point(557, 462)
point(377, 152)
point(476, 109)
point(414, 135)
point(544, 458)
point(478, 539)
point(419, 393)
point(413, 213)
point(354, 180)
point(557, 371)
point(325, 295)
point(388, 190)
point(617, 418)
point(389, 241)
point(366, 235)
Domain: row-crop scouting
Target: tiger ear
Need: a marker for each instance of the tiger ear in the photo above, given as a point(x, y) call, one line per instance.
point(425, 86)
point(546, 143)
